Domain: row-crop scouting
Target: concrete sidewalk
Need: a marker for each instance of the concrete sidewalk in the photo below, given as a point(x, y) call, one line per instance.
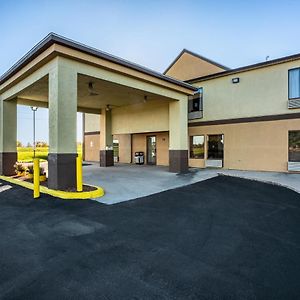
point(125, 182)
point(288, 180)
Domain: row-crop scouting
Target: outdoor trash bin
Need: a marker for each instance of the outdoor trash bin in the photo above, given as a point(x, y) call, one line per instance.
point(139, 158)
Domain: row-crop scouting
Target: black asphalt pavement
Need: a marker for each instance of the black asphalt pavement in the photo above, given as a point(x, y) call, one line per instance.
point(224, 238)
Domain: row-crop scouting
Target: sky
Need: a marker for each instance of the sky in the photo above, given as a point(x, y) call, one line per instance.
point(151, 33)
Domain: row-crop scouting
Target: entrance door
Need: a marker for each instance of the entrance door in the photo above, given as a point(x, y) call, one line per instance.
point(215, 150)
point(151, 150)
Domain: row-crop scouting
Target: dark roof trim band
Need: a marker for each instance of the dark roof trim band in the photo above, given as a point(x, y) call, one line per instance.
point(247, 120)
point(53, 38)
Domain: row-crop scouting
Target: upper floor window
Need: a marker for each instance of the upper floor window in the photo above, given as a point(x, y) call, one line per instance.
point(294, 83)
point(196, 105)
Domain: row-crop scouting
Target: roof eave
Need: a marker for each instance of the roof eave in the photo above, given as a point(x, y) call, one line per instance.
point(53, 38)
point(246, 68)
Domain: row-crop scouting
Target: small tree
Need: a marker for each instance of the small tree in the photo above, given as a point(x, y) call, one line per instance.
point(41, 144)
point(19, 144)
point(29, 145)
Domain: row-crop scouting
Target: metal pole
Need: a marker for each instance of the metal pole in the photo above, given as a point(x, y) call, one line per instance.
point(33, 133)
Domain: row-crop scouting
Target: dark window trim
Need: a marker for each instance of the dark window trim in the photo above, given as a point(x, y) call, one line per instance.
point(288, 137)
point(200, 99)
point(91, 133)
point(190, 144)
point(147, 160)
point(296, 68)
point(207, 140)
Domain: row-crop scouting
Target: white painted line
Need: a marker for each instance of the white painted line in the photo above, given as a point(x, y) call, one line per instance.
point(5, 188)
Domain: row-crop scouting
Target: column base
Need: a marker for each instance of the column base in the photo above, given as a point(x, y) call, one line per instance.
point(106, 158)
point(61, 171)
point(178, 161)
point(7, 161)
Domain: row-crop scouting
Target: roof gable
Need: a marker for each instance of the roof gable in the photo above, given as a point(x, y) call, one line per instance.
point(188, 65)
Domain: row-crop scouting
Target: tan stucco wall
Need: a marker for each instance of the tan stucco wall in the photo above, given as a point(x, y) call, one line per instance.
point(143, 117)
point(261, 146)
point(124, 147)
point(162, 146)
point(260, 92)
point(162, 142)
point(91, 122)
point(92, 147)
point(62, 108)
point(189, 66)
point(8, 126)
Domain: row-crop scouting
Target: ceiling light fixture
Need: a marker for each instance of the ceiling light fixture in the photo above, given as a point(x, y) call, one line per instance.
point(91, 89)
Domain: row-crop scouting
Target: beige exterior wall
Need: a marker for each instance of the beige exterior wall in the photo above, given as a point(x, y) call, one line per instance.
point(260, 146)
point(124, 147)
point(92, 147)
point(139, 143)
point(260, 92)
point(143, 117)
point(189, 66)
point(91, 122)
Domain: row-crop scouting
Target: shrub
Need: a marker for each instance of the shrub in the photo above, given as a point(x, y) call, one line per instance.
point(19, 168)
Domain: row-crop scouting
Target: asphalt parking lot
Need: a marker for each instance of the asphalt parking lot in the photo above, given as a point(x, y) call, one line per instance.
point(224, 238)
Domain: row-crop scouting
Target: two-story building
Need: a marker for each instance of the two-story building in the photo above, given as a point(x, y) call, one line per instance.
point(246, 118)
point(198, 113)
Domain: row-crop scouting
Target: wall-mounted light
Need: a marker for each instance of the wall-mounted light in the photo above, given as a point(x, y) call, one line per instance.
point(235, 80)
point(145, 98)
point(108, 107)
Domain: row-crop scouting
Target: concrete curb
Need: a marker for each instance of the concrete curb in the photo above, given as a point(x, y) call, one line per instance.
point(97, 193)
point(261, 180)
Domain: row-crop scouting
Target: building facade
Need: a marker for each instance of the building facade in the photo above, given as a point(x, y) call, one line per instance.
point(197, 114)
point(244, 119)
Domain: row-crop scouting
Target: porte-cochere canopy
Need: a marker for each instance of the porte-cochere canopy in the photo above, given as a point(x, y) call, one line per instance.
point(67, 77)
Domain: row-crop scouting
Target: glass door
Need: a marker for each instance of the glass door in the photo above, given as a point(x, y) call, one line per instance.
point(151, 150)
point(215, 150)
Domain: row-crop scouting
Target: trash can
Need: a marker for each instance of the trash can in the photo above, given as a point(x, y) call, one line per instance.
point(139, 158)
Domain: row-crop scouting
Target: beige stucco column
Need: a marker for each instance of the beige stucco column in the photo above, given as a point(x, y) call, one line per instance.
point(106, 139)
point(178, 135)
point(62, 126)
point(8, 136)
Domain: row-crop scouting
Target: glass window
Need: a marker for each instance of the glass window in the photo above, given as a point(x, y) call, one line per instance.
point(215, 146)
point(294, 83)
point(196, 102)
point(294, 146)
point(197, 146)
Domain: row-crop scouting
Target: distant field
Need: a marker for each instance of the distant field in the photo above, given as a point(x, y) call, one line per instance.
point(25, 154)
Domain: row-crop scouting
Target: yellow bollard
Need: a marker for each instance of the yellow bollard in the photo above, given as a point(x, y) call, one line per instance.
point(36, 178)
point(79, 173)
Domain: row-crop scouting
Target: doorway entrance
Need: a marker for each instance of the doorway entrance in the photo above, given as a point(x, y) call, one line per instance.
point(151, 150)
point(215, 151)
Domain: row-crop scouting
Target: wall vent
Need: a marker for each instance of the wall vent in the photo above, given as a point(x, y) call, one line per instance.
point(294, 166)
point(294, 103)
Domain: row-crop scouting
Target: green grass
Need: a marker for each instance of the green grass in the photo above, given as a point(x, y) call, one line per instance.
point(25, 154)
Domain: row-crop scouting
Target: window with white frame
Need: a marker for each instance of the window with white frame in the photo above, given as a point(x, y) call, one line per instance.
point(294, 83)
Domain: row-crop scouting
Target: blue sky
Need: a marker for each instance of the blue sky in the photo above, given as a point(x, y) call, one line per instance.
point(151, 33)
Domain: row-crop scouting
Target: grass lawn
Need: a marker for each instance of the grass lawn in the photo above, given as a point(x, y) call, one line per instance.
point(25, 154)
